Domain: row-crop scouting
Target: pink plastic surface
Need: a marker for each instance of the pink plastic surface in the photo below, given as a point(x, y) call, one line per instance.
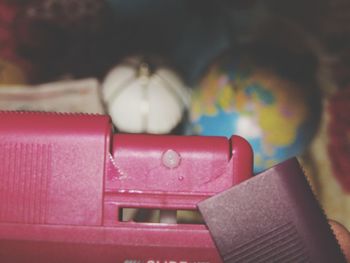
point(64, 179)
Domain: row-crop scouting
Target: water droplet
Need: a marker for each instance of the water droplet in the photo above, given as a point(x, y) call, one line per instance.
point(171, 159)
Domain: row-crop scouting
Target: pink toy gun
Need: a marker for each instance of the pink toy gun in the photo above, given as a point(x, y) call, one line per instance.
point(66, 180)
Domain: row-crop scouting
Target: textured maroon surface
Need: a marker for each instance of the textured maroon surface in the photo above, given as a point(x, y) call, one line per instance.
point(339, 136)
point(64, 179)
point(273, 217)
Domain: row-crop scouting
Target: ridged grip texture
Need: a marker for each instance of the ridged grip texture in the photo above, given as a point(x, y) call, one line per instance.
point(273, 217)
point(25, 174)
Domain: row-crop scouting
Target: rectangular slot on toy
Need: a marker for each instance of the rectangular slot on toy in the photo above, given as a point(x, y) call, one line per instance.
point(150, 215)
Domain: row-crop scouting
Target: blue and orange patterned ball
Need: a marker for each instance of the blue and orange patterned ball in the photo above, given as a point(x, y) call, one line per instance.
point(274, 114)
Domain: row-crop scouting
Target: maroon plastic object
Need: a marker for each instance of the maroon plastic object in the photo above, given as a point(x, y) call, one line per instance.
point(273, 217)
point(64, 179)
point(338, 131)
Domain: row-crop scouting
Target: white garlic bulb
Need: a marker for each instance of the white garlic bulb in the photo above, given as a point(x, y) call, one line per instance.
point(144, 100)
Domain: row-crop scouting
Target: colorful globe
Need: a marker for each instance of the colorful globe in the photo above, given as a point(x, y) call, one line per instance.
point(274, 114)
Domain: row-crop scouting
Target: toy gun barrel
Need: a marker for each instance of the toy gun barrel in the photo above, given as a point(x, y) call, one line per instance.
point(66, 179)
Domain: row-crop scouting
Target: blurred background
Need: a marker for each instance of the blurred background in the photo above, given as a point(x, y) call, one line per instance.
point(275, 72)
